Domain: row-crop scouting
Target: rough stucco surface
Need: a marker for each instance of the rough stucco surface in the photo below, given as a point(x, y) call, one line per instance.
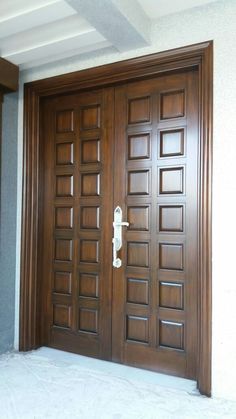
point(216, 21)
point(8, 221)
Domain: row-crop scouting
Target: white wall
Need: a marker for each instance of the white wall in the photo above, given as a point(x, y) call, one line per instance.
point(216, 21)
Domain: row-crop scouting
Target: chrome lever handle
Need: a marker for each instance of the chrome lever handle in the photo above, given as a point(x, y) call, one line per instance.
point(117, 239)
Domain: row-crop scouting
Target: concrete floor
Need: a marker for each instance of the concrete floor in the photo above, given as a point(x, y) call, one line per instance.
point(54, 384)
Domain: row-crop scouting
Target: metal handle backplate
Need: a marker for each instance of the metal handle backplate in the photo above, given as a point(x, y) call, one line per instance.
point(117, 238)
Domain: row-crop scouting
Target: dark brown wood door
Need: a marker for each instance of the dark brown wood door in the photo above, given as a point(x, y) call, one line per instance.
point(144, 313)
point(156, 184)
point(77, 217)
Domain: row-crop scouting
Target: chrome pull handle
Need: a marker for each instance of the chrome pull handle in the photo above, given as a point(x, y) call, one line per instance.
point(117, 238)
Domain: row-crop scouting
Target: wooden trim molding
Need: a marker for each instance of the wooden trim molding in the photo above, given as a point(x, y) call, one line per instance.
point(199, 56)
point(9, 76)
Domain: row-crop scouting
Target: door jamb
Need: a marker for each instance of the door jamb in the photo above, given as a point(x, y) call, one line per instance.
point(198, 56)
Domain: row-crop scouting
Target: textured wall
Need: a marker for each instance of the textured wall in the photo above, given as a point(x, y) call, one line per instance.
point(8, 221)
point(216, 21)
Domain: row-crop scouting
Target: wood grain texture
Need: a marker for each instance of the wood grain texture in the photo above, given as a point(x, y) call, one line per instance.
point(197, 56)
point(75, 220)
point(161, 256)
point(205, 244)
point(132, 69)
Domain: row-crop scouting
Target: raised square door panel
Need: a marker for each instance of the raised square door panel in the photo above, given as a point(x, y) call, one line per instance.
point(171, 218)
point(63, 217)
point(139, 110)
point(90, 117)
point(171, 180)
point(138, 254)
point(134, 145)
point(65, 121)
point(172, 104)
point(171, 295)
point(62, 315)
point(138, 182)
point(137, 329)
point(171, 334)
point(139, 146)
point(64, 154)
point(171, 256)
point(137, 291)
point(88, 285)
point(62, 282)
point(90, 184)
point(89, 218)
point(89, 251)
point(63, 250)
point(172, 143)
point(88, 320)
point(90, 151)
point(64, 186)
point(76, 219)
point(138, 218)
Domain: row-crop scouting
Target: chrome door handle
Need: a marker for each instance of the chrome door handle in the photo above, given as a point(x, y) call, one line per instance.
point(117, 238)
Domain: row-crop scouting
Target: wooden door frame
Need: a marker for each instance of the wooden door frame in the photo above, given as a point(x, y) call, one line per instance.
point(198, 56)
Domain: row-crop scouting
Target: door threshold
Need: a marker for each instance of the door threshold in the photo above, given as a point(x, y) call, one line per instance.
point(123, 371)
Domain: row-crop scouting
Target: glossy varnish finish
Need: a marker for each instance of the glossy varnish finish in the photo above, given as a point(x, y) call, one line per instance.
point(156, 182)
point(77, 216)
point(154, 296)
point(198, 57)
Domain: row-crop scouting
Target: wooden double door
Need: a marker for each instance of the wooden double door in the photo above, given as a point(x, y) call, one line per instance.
point(135, 146)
